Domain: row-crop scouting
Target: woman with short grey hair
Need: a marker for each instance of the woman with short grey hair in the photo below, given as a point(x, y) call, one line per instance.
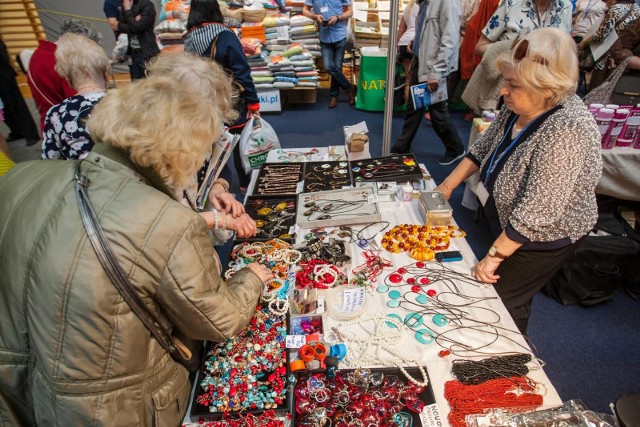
point(85, 66)
point(539, 164)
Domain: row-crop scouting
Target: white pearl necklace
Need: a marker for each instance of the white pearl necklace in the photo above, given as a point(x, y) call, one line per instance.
point(366, 350)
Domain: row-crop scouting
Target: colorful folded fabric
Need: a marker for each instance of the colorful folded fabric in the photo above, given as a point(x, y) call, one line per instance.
point(290, 74)
point(307, 84)
point(300, 20)
point(305, 29)
point(263, 85)
point(261, 74)
point(285, 79)
point(292, 51)
point(299, 69)
point(284, 85)
point(263, 79)
point(305, 74)
point(305, 63)
point(300, 57)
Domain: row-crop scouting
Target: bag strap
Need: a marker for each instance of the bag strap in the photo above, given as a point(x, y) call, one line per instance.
point(33, 82)
point(113, 268)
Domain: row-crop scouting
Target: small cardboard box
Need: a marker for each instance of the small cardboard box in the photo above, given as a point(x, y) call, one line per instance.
point(358, 128)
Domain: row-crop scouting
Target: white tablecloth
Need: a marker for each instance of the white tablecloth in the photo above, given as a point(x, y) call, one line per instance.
point(438, 368)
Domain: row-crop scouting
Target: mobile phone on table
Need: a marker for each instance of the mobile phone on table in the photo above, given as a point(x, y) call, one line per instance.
point(448, 256)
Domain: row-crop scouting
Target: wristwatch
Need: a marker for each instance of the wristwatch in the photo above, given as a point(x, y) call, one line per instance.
point(493, 252)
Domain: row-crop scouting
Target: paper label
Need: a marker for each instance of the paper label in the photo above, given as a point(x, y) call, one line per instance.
point(282, 32)
point(320, 305)
point(300, 187)
point(295, 341)
point(430, 416)
point(353, 299)
point(482, 193)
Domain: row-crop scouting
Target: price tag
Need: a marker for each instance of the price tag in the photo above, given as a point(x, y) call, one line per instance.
point(430, 416)
point(295, 341)
point(300, 187)
point(353, 299)
point(282, 32)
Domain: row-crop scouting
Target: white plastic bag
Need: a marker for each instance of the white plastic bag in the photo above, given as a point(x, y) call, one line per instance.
point(256, 140)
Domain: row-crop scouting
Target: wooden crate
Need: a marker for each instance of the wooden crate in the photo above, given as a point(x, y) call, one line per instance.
point(372, 29)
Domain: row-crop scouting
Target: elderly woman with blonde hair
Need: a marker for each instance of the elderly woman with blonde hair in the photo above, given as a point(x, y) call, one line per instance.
point(85, 66)
point(72, 351)
point(538, 163)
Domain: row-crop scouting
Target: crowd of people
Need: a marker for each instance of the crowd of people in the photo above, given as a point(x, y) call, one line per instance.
point(71, 350)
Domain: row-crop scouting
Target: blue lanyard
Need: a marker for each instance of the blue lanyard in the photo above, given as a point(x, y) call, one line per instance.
point(493, 163)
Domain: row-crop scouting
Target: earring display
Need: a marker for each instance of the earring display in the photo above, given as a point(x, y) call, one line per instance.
point(399, 168)
point(324, 176)
point(360, 397)
point(337, 207)
point(280, 179)
point(275, 216)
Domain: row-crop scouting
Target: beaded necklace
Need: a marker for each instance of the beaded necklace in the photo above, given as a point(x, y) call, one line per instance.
point(373, 343)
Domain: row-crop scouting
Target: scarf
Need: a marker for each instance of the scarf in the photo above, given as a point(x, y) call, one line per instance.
point(198, 39)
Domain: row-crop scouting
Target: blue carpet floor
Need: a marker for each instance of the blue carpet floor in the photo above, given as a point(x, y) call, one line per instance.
point(591, 353)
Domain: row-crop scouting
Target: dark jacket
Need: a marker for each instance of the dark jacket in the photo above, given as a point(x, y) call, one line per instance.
point(230, 55)
point(72, 352)
point(142, 29)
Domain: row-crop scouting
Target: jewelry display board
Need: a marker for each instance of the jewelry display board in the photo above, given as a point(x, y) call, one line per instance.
point(200, 406)
point(325, 176)
point(275, 216)
point(280, 179)
point(399, 168)
point(353, 396)
point(336, 207)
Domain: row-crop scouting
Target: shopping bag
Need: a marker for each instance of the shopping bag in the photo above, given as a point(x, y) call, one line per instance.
point(256, 140)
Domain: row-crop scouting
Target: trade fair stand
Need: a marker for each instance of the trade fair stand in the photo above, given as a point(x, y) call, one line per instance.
point(422, 315)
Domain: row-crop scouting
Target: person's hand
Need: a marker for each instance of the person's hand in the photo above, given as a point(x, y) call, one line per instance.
point(244, 226)
point(127, 4)
point(320, 19)
point(332, 21)
point(433, 85)
point(224, 201)
point(445, 190)
point(410, 46)
point(254, 114)
point(261, 271)
point(138, 18)
point(584, 43)
point(485, 270)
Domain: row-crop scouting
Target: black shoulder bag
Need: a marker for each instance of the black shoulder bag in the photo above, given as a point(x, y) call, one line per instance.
point(186, 354)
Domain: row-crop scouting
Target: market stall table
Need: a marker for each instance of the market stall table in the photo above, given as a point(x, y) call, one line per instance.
point(475, 341)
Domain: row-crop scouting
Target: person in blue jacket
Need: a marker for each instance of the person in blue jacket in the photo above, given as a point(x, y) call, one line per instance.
point(206, 33)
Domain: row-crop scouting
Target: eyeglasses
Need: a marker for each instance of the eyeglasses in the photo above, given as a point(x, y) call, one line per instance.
point(520, 50)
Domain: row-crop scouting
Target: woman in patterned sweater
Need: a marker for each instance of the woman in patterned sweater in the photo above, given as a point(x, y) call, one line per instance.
point(539, 164)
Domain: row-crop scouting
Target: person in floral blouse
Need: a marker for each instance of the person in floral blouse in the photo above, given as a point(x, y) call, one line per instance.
point(83, 63)
point(514, 17)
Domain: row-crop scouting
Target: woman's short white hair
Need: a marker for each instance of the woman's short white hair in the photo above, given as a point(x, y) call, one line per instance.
point(545, 61)
point(80, 60)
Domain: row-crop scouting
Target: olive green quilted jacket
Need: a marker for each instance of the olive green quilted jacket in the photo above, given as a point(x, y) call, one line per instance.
point(72, 353)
